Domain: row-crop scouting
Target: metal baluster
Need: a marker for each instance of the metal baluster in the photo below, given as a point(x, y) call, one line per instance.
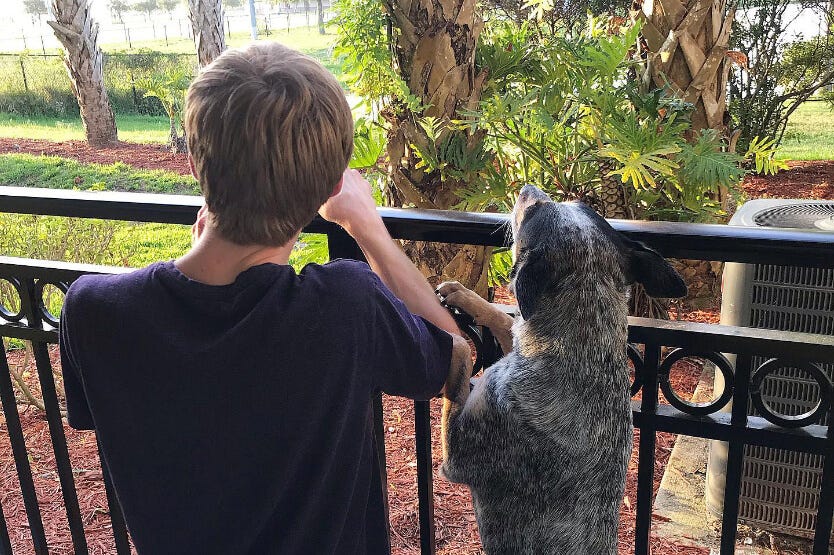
point(5, 542)
point(21, 459)
point(59, 446)
point(30, 302)
point(735, 456)
point(425, 494)
point(825, 509)
point(648, 438)
point(117, 519)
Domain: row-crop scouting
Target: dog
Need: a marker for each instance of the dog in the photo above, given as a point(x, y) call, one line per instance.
point(544, 437)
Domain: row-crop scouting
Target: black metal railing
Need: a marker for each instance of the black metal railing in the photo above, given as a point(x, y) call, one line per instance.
point(650, 339)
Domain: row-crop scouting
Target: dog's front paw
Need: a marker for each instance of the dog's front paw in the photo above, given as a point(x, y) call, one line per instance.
point(455, 295)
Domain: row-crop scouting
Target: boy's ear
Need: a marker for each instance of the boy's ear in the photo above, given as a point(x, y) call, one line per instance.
point(192, 167)
point(338, 188)
point(650, 269)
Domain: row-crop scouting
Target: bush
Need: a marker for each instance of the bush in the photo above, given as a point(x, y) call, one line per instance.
point(35, 85)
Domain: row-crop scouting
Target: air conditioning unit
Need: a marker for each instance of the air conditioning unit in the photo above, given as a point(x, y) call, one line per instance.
point(779, 489)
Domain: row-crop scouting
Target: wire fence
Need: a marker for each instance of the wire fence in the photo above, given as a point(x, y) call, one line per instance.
point(38, 85)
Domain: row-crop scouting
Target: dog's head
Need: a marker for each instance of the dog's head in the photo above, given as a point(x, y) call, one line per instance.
point(563, 245)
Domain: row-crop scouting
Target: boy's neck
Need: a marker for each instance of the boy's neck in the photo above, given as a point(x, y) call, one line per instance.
point(215, 261)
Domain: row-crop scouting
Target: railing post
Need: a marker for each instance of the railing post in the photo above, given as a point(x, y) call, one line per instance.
point(825, 510)
point(29, 302)
point(425, 491)
point(735, 456)
point(21, 459)
point(648, 439)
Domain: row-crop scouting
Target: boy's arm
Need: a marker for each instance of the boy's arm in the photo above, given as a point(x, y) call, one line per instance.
point(354, 209)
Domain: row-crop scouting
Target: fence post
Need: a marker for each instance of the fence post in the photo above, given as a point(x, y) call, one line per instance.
point(23, 71)
point(43, 47)
point(23, 34)
point(165, 30)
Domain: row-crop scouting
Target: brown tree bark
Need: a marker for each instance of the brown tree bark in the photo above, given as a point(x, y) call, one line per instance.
point(207, 21)
point(688, 41)
point(435, 55)
point(75, 29)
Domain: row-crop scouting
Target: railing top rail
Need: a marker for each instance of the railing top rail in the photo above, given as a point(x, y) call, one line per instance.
point(691, 335)
point(697, 241)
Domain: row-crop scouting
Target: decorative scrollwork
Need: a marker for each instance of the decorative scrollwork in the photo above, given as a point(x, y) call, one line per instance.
point(637, 361)
point(784, 420)
point(696, 409)
point(5, 311)
point(42, 308)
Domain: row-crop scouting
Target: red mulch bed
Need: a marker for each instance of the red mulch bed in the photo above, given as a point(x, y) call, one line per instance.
point(456, 527)
point(145, 156)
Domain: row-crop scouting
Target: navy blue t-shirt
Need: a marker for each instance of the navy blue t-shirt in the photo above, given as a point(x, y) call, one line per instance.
point(236, 419)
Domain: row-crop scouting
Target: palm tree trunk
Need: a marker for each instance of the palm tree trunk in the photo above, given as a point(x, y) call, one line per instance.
point(75, 29)
point(435, 55)
point(688, 42)
point(207, 21)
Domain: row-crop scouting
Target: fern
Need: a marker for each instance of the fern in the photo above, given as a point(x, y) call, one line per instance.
point(764, 156)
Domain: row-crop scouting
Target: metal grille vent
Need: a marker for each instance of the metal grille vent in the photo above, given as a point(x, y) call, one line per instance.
point(779, 489)
point(800, 216)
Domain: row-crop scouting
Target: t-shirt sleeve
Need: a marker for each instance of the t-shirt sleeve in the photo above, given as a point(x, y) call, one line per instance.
point(78, 411)
point(411, 355)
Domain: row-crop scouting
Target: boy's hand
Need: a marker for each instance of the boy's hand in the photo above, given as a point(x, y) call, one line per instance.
point(354, 207)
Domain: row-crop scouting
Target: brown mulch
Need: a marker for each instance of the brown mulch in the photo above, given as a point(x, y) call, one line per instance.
point(808, 180)
point(145, 156)
point(456, 527)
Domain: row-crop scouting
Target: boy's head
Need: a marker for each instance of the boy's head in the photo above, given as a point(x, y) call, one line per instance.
point(270, 133)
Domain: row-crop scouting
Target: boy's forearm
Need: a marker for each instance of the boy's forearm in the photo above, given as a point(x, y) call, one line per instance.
point(400, 275)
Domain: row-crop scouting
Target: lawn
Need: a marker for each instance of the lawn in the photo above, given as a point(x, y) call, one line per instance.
point(810, 133)
point(132, 128)
point(105, 242)
point(26, 170)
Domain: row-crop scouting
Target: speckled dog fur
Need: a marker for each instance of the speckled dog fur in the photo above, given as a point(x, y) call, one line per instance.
point(544, 438)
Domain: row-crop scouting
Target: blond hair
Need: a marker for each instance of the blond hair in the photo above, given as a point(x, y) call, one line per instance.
point(270, 133)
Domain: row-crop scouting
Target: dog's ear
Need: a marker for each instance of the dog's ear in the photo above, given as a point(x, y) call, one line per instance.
point(651, 270)
point(531, 276)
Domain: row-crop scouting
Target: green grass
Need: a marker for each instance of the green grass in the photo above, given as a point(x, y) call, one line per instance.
point(26, 170)
point(132, 128)
point(810, 133)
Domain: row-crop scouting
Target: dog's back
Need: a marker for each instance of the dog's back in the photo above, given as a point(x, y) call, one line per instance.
point(544, 439)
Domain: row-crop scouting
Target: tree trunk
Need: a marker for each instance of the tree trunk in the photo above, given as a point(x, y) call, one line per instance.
point(688, 41)
point(207, 21)
point(435, 55)
point(75, 29)
point(320, 10)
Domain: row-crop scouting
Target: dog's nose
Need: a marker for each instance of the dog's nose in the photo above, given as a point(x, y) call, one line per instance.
point(526, 192)
point(531, 192)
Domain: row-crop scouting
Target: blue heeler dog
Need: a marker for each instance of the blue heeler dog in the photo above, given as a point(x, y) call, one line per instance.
point(543, 439)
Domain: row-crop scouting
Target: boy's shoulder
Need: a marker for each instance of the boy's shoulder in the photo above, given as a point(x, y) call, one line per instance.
point(351, 277)
point(100, 287)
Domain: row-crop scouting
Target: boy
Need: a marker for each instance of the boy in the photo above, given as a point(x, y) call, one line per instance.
point(232, 397)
